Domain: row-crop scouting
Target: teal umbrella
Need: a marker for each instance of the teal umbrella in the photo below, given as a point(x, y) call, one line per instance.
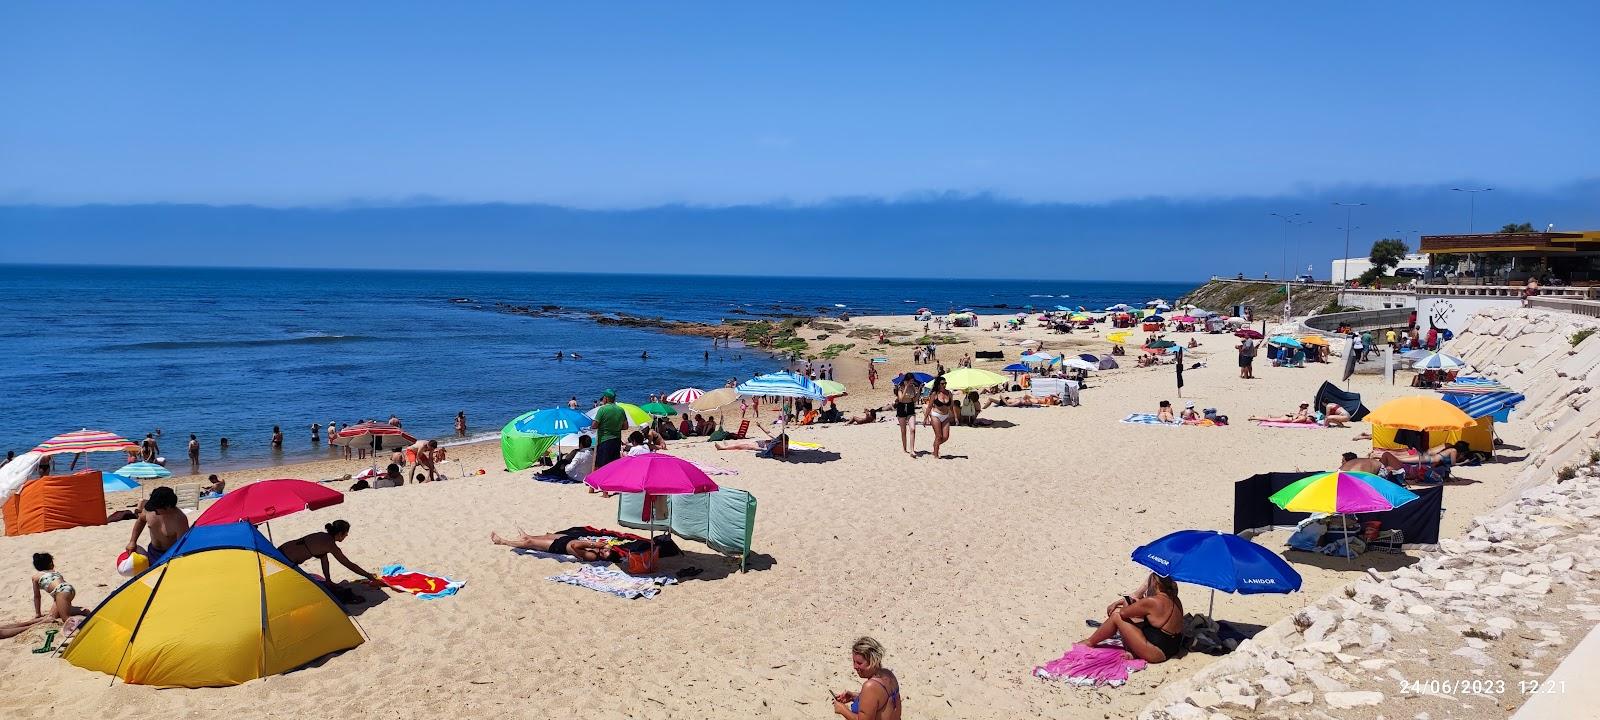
point(144, 471)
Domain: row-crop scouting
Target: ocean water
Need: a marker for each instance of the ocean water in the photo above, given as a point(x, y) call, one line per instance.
point(233, 352)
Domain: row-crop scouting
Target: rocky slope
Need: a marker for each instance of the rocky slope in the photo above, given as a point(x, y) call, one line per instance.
point(1264, 298)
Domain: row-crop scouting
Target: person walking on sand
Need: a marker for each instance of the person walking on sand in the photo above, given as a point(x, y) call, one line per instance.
point(1247, 358)
point(609, 422)
point(872, 375)
point(940, 414)
point(905, 410)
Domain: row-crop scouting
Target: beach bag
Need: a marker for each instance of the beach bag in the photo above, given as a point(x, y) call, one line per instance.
point(635, 558)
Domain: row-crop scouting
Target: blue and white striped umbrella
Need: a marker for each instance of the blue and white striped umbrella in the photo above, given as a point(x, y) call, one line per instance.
point(1439, 361)
point(782, 384)
point(144, 471)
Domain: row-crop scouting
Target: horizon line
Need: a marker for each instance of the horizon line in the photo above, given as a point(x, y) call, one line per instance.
point(467, 271)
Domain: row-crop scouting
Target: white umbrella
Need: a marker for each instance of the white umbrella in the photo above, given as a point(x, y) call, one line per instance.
point(1081, 364)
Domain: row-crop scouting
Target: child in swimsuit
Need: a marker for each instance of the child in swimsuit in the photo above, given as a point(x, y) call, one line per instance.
point(49, 582)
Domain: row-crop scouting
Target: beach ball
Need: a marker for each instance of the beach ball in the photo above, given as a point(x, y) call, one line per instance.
point(130, 564)
point(481, 471)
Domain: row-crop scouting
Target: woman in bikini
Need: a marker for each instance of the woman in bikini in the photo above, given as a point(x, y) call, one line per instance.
point(1151, 625)
point(1301, 416)
point(879, 698)
point(906, 395)
point(558, 544)
point(940, 414)
point(322, 544)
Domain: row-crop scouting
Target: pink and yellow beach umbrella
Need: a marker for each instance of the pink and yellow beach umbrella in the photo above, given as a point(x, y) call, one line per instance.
point(84, 441)
point(1342, 492)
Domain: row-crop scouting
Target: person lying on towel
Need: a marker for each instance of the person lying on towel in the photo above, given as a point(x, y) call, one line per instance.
point(1303, 415)
point(559, 544)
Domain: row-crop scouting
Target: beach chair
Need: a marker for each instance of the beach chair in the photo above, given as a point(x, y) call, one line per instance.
point(744, 427)
point(188, 496)
point(724, 520)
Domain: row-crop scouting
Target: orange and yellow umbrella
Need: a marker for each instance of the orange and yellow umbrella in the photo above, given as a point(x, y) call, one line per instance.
point(1420, 412)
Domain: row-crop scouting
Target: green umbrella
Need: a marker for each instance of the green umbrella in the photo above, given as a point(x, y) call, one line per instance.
point(658, 409)
point(832, 389)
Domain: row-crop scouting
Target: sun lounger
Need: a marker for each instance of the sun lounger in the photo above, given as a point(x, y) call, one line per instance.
point(725, 520)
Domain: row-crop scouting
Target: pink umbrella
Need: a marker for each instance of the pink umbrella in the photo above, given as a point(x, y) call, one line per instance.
point(259, 502)
point(651, 474)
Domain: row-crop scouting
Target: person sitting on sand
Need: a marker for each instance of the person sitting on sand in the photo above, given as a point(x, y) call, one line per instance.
point(831, 413)
point(322, 544)
point(392, 477)
point(1189, 416)
point(1303, 415)
point(214, 487)
point(636, 445)
point(559, 544)
point(879, 698)
point(575, 465)
point(1334, 415)
point(1151, 625)
point(1350, 462)
point(163, 518)
point(1164, 412)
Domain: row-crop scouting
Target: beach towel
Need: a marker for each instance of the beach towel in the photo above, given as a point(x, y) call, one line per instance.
point(1090, 666)
point(558, 557)
point(1296, 426)
point(422, 585)
point(1146, 419)
point(614, 582)
point(557, 479)
point(713, 469)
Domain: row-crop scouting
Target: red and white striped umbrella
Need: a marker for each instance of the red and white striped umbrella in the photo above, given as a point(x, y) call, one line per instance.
point(361, 434)
point(85, 441)
point(685, 396)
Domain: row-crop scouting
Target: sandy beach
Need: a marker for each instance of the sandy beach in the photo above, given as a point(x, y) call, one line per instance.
point(970, 570)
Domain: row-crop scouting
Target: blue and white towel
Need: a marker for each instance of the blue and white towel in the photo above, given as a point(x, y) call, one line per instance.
point(1146, 419)
point(558, 557)
point(615, 582)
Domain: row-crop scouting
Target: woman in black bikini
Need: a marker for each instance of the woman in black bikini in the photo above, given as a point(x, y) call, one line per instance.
point(322, 544)
point(940, 414)
point(559, 544)
point(1151, 625)
point(905, 408)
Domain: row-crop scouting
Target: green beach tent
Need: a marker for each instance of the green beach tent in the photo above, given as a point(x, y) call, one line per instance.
point(522, 448)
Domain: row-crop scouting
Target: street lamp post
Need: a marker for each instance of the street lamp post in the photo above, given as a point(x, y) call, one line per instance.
point(1288, 221)
point(1472, 206)
point(1348, 208)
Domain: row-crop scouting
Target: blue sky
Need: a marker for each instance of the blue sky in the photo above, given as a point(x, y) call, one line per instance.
point(626, 106)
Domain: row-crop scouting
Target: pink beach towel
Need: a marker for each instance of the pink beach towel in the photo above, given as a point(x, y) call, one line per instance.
point(1083, 665)
point(1295, 426)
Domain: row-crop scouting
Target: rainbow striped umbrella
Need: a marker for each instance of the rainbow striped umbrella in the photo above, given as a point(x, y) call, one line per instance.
point(1342, 492)
point(84, 441)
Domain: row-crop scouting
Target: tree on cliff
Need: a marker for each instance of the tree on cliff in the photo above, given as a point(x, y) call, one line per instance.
point(1386, 255)
point(1510, 228)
